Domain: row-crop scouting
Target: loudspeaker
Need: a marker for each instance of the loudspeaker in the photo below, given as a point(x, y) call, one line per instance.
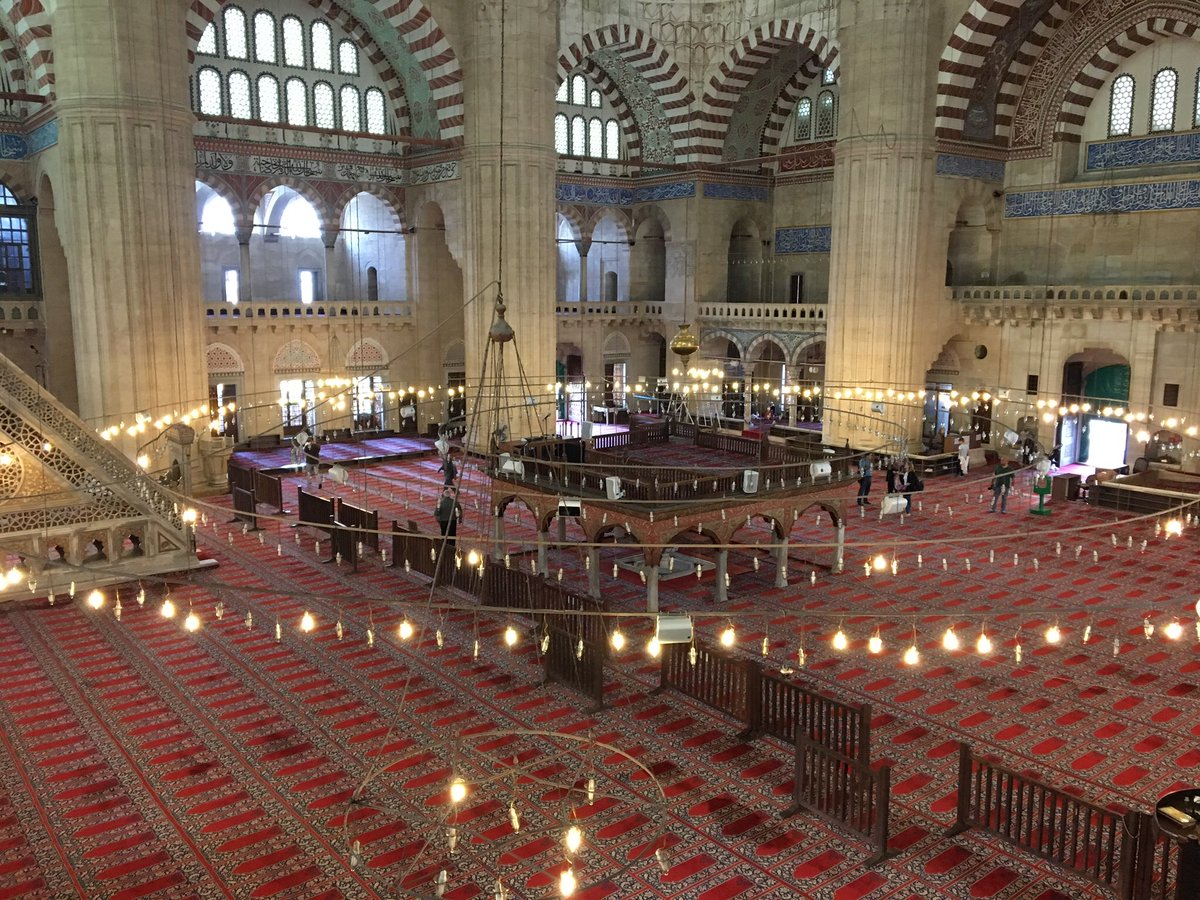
point(510, 466)
point(673, 629)
point(570, 507)
point(750, 482)
point(612, 488)
point(821, 469)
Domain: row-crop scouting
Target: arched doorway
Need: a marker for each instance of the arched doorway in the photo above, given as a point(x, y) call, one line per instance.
point(1095, 387)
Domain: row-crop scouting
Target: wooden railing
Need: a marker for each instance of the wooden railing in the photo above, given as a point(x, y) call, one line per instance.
point(575, 663)
point(847, 792)
point(364, 521)
point(244, 507)
point(314, 510)
point(239, 476)
point(1071, 832)
point(766, 704)
point(268, 490)
point(789, 711)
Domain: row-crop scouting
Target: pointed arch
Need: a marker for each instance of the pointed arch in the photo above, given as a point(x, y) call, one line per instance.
point(30, 29)
point(296, 358)
point(652, 87)
point(329, 224)
point(222, 359)
point(367, 355)
point(749, 56)
point(383, 194)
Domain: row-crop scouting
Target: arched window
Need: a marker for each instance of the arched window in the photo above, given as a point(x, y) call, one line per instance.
point(827, 77)
point(579, 91)
point(1120, 106)
point(293, 42)
point(323, 105)
point(297, 102)
point(216, 216)
point(372, 283)
point(561, 96)
point(376, 119)
point(612, 139)
point(595, 138)
point(351, 112)
point(1196, 103)
point(235, 33)
point(578, 137)
point(804, 119)
point(207, 44)
point(594, 99)
point(208, 91)
point(239, 95)
point(562, 143)
point(1162, 100)
point(264, 37)
point(826, 115)
point(16, 249)
point(322, 46)
point(268, 98)
point(348, 58)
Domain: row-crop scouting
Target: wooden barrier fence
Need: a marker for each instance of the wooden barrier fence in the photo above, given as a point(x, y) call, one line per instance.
point(364, 519)
point(313, 510)
point(576, 663)
point(844, 791)
point(244, 506)
point(764, 703)
point(239, 476)
point(268, 489)
point(1071, 832)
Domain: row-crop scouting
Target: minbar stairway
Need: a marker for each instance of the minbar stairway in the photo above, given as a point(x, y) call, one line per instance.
point(62, 488)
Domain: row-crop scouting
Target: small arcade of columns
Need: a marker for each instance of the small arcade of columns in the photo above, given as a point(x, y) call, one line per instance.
point(657, 531)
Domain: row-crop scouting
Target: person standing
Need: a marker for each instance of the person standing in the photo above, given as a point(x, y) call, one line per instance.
point(964, 454)
point(312, 461)
point(448, 467)
point(1001, 484)
point(864, 479)
point(448, 514)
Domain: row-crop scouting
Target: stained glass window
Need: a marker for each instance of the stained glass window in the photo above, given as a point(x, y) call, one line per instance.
point(562, 143)
point(268, 98)
point(208, 40)
point(1120, 106)
point(827, 76)
point(348, 58)
point(578, 137)
point(561, 96)
point(208, 90)
point(239, 95)
point(322, 46)
point(594, 99)
point(351, 112)
point(264, 37)
point(235, 33)
point(16, 258)
point(293, 42)
point(375, 111)
point(323, 105)
point(804, 119)
point(1162, 100)
point(826, 115)
point(579, 91)
point(297, 102)
point(612, 139)
point(595, 138)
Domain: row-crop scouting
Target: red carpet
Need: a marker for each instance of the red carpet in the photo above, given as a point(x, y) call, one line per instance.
point(146, 761)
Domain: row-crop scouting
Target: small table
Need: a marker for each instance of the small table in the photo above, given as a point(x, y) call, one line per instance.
point(1065, 486)
point(1187, 878)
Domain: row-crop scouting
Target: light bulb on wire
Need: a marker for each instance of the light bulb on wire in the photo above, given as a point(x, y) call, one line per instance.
point(840, 641)
point(875, 643)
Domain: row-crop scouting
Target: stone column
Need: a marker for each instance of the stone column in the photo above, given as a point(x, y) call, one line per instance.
point(244, 233)
point(593, 556)
point(651, 588)
point(508, 174)
point(583, 247)
point(498, 534)
point(329, 238)
point(839, 559)
point(543, 567)
point(126, 192)
point(781, 556)
point(722, 574)
point(888, 315)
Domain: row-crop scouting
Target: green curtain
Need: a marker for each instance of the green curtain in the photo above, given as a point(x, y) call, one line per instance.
point(1106, 386)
